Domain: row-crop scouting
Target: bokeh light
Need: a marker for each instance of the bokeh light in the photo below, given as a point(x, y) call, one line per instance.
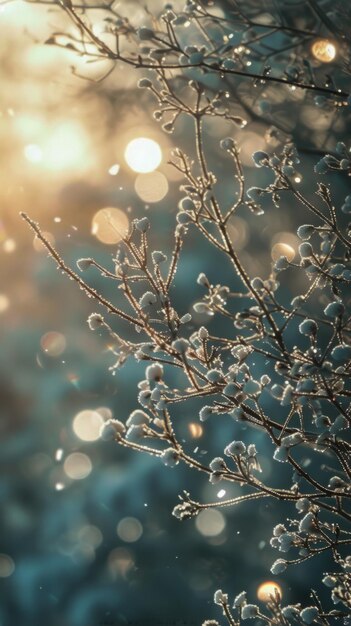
point(152, 187)
point(143, 155)
point(53, 343)
point(7, 566)
point(114, 169)
point(268, 589)
point(9, 246)
point(120, 562)
point(90, 535)
point(110, 225)
point(324, 50)
point(77, 466)
point(195, 430)
point(87, 424)
point(129, 529)
point(210, 522)
point(282, 249)
point(33, 153)
point(4, 303)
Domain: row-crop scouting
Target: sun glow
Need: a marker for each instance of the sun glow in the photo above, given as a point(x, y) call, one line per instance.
point(143, 155)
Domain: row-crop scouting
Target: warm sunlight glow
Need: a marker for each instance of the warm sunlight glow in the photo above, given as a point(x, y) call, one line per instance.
point(110, 225)
point(143, 155)
point(33, 153)
point(267, 589)
point(66, 147)
point(324, 50)
point(282, 249)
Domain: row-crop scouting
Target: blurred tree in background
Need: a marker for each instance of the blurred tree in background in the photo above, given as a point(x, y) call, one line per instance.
point(87, 533)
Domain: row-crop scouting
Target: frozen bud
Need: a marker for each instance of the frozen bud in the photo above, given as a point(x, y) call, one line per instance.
point(158, 257)
point(110, 429)
point(185, 510)
point(249, 611)
point(154, 372)
point(260, 158)
point(215, 478)
point(334, 309)
point(305, 250)
point(84, 264)
point(251, 449)
point(329, 581)
point(220, 597)
point(135, 432)
point(145, 33)
point(297, 302)
point(308, 523)
point(340, 423)
point(187, 204)
point(143, 224)
point(202, 308)
point(205, 413)
point(257, 283)
point(265, 380)
point(341, 352)
point(227, 143)
point(252, 387)
point(144, 398)
point(305, 231)
point(290, 611)
point(144, 83)
point(279, 566)
point(281, 264)
point(170, 457)
point(229, 64)
point(239, 600)
point(137, 418)
point(235, 448)
point(308, 327)
point(291, 440)
point(286, 541)
point(303, 505)
point(321, 167)
point(95, 321)
point(278, 530)
point(183, 218)
point(147, 300)
point(336, 483)
point(309, 614)
point(180, 345)
point(230, 389)
point(202, 280)
point(218, 465)
point(185, 318)
point(238, 414)
point(274, 542)
point(281, 454)
point(214, 376)
point(203, 333)
point(196, 58)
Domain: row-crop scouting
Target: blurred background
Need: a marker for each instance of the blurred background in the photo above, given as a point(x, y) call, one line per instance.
point(86, 532)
